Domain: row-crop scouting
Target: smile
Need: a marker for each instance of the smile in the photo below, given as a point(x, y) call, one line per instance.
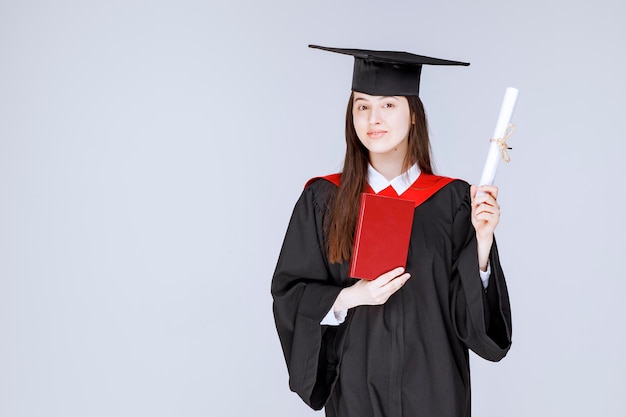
point(376, 133)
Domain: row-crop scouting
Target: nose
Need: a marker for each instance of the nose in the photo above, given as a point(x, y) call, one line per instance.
point(374, 116)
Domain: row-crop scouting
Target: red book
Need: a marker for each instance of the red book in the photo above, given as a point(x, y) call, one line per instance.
point(381, 239)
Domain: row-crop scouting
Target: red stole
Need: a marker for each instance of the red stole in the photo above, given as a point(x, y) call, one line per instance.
point(424, 187)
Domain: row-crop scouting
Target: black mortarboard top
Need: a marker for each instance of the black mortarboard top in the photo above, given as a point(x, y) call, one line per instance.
point(387, 73)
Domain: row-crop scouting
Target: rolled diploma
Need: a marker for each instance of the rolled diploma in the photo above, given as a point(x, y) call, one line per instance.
point(493, 157)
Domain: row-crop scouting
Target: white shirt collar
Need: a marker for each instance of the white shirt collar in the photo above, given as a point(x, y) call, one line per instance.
point(400, 184)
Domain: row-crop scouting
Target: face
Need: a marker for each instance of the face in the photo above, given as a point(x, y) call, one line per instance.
point(382, 124)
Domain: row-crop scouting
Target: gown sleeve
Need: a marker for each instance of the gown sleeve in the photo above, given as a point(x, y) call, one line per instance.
point(481, 316)
point(303, 292)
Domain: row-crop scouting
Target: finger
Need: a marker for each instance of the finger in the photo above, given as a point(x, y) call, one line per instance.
point(473, 191)
point(486, 216)
point(398, 281)
point(394, 285)
point(486, 208)
point(485, 199)
point(480, 200)
point(489, 189)
point(486, 219)
point(492, 208)
point(388, 276)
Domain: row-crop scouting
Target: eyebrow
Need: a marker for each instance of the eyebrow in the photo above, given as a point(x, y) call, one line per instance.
point(383, 98)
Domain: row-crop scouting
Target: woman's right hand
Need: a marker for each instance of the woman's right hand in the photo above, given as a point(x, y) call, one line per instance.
point(374, 292)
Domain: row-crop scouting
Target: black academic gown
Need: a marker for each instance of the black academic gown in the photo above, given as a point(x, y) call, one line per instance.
point(409, 356)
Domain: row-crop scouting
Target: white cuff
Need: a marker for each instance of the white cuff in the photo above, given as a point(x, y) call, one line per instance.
point(334, 318)
point(484, 276)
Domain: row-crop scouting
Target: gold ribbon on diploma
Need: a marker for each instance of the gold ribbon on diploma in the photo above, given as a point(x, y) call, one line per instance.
point(504, 147)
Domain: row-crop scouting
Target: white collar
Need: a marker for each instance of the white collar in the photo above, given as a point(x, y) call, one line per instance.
point(400, 184)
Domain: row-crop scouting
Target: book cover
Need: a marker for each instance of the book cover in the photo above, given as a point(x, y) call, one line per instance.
point(381, 239)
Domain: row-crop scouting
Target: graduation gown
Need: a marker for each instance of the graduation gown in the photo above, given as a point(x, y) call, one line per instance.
point(409, 356)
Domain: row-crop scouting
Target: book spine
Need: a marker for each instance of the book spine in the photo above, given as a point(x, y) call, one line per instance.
point(357, 235)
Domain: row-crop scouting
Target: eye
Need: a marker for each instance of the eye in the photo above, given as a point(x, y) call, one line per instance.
point(361, 107)
point(388, 106)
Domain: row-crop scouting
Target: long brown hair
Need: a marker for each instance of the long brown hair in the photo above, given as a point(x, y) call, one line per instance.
point(344, 207)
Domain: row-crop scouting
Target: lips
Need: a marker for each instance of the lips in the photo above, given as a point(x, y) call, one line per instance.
point(374, 134)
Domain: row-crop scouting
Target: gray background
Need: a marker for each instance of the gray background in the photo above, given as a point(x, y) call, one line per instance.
point(151, 153)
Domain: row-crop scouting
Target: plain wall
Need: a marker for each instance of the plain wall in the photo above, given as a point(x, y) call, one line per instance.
point(151, 153)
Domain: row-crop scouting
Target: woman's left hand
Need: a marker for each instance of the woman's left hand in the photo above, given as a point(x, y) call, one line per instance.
point(485, 218)
point(485, 210)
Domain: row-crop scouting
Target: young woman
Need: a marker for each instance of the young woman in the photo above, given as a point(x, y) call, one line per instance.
point(397, 345)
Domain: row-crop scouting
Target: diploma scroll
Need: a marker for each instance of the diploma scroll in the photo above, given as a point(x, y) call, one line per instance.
point(495, 149)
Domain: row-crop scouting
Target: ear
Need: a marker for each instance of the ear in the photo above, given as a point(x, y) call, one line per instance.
point(413, 119)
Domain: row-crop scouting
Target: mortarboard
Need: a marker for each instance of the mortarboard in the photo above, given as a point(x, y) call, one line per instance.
point(387, 73)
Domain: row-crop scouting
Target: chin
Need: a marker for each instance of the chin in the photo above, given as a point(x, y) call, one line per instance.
point(382, 150)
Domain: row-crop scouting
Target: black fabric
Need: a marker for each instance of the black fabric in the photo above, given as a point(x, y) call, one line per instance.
point(408, 357)
point(387, 73)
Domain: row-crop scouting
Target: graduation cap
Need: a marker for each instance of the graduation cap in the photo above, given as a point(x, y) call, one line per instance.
point(387, 73)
